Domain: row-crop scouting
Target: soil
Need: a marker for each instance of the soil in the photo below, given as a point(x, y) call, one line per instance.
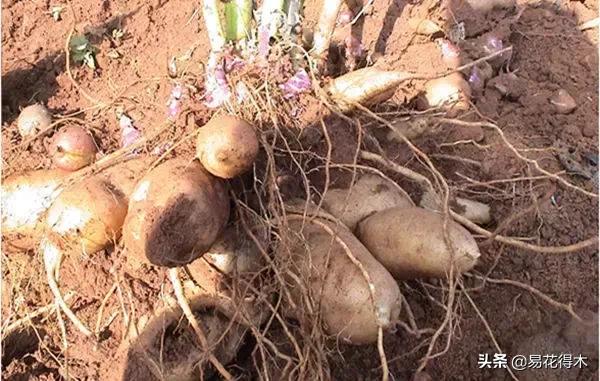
point(549, 53)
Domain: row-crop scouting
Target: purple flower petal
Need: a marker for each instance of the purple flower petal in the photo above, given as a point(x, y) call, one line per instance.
point(177, 92)
point(217, 89)
point(173, 104)
point(449, 50)
point(354, 48)
point(129, 134)
point(297, 84)
point(233, 63)
point(160, 149)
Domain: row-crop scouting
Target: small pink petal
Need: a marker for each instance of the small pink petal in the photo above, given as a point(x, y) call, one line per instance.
point(177, 92)
point(297, 84)
point(233, 63)
point(354, 48)
point(217, 88)
point(263, 41)
point(173, 108)
point(160, 149)
point(345, 17)
point(129, 134)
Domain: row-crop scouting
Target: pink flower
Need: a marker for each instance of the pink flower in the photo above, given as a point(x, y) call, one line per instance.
point(354, 48)
point(217, 88)
point(129, 134)
point(173, 104)
point(297, 84)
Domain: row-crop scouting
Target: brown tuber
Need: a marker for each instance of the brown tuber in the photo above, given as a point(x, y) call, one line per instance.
point(25, 200)
point(227, 146)
point(370, 194)
point(84, 219)
point(424, 26)
point(236, 252)
point(87, 216)
point(72, 148)
point(176, 213)
point(451, 92)
point(365, 86)
point(410, 243)
point(356, 295)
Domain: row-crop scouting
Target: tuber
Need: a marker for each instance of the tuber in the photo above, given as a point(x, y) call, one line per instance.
point(25, 200)
point(370, 194)
point(342, 277)
point(227, 146)
point(176, 213)
point(410, 243)
point(33, 119)
point(72, 148)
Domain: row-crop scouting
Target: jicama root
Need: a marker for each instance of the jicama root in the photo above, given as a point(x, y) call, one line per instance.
point(25, 200)
point(365, 87)
point(217, 326)
point(325, 27)
point(165, 339)
point(86, 218)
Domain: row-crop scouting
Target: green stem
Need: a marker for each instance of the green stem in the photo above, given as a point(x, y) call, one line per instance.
point(238, 19)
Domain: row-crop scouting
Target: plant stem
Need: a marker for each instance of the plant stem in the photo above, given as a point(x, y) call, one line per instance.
point(271, 16)
point(214, 30)
point(325, 27)
point(294, 14)
point(238, 17)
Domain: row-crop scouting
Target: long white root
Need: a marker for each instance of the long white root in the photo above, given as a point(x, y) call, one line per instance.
point(325, 27)
point(52, 258)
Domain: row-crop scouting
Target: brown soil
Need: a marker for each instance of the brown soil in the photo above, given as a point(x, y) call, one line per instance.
point(549, 53)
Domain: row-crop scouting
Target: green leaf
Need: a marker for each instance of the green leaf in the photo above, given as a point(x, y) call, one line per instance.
point(82, 51)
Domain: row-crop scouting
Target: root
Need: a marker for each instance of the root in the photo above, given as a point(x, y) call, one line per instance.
point(19, 324)
point(382, 358)
point(187, 311)
point(421, 180)
point(593, 241)
point(101, 309)
point(518, 154)
point(566, 307)
point(489, 330)
point(52, 259)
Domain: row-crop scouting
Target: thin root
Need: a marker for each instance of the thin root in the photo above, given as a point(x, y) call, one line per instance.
point(187, 311)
